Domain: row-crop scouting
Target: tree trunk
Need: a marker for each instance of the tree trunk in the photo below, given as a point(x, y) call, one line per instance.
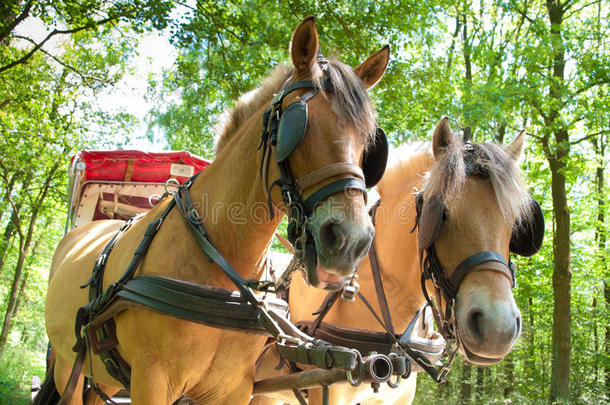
point(557, 156)
point(562, 278)
point(11, 227)
point(509, 373)
point(24, 246)
point(480, 385)
point(600, 236)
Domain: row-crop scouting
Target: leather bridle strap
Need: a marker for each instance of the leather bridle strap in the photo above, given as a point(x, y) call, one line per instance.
point(332, 188)
point(381, 297)
point(185, 205)
point(494, 261)
point(326, 172)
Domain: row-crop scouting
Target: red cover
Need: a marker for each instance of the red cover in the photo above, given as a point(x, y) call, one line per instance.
point(147, 167)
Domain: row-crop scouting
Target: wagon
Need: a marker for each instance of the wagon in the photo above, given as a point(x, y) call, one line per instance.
point(119, 184)
point(122, 183)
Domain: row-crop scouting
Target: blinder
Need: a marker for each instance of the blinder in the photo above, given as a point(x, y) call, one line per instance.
point(291, 131)
point(526, 238)
point(375, 159)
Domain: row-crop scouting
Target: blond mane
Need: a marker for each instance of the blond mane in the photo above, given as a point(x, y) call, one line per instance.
point(233, 118)
point(445, 176)
point(350, 101)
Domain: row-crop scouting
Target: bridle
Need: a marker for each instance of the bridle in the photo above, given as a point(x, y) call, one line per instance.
point(283, 130)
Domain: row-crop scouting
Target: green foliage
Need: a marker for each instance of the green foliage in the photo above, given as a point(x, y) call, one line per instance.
point(17, 368)
point(487, 64)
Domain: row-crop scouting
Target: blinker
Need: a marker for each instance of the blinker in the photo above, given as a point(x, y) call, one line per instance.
point(291, 130)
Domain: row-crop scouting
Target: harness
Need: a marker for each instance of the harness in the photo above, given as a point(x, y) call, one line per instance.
point(415, 353)
point(242, 310)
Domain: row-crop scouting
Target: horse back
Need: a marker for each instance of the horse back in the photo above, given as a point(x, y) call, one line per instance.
point(90, 237)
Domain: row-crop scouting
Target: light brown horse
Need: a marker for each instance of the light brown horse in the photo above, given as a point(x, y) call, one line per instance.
point(170, 357)
point(481, 213)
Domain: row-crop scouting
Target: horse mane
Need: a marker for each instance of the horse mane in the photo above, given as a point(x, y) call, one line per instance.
point(233, 118)
point(350, 101)
point(445, 176)
point(406, 165)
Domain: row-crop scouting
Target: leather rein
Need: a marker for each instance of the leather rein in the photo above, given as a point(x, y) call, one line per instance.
point(424, 353)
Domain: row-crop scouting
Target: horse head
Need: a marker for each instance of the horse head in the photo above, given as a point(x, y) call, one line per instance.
point(329, 150)
point(472, 212)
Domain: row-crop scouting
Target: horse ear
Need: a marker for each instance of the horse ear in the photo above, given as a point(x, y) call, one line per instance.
point(304, 45)
point(442, 137)
point(515, 148)
point(371, 70)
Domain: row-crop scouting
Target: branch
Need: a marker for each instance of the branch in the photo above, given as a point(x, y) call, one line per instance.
point(26, 11)
point(589, 86)
point(27, 56)
point(64, 64)
point(566, 17)
point(590, 136)
point(524, 15)
point(539, 110)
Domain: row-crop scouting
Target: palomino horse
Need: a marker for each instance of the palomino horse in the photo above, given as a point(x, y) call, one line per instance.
point(485, 208)
point(170, 357)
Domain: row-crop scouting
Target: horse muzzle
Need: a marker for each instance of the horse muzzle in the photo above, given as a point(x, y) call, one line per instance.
point(488, 322)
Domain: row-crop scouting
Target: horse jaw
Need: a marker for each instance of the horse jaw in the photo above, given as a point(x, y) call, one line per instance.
point(487, 317)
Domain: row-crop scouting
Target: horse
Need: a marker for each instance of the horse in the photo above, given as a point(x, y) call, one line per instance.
point(326, 120)
point(480, 204)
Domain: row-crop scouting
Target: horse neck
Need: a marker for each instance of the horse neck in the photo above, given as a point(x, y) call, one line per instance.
point(233, 205)
point(396, 246)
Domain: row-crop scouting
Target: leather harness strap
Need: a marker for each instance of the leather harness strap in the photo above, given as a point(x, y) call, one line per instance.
point(326, 172)
point(381, 297)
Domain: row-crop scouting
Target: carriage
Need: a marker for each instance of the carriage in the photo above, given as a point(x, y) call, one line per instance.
point(122, 183)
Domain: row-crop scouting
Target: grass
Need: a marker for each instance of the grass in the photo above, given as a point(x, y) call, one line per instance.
point(17, 367)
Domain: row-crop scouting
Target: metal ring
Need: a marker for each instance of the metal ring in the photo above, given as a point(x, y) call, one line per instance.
point(150, 197)
point(394, 384)
point(351, 380)
point(170, 182)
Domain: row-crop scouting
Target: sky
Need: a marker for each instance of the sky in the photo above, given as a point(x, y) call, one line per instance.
point(154, 53)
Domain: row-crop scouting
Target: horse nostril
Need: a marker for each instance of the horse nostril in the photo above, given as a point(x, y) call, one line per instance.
point(474, 324)
point(332, 235)
point(364, 245)
point(518, 320)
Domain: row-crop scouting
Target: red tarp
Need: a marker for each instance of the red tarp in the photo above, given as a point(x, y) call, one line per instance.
point(147, 167)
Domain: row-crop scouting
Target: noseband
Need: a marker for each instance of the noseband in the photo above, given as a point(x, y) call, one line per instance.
point(283, 130)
